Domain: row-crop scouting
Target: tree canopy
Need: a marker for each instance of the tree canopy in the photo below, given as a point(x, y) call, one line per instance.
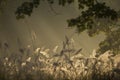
point(95, 17)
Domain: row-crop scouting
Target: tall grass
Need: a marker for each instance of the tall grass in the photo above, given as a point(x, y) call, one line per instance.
point(68, 64)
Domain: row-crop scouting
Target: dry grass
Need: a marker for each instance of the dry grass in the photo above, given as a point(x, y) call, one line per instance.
point(68, 64)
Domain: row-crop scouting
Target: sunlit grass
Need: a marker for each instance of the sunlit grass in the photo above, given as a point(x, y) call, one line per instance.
point(68, 64)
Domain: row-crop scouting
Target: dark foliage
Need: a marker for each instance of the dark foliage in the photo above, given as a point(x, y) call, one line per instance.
point(95, 17)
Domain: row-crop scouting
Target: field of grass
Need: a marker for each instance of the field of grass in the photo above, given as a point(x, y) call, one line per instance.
point(68, 64)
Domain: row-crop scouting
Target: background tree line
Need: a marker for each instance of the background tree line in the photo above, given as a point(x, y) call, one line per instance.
point(95, 17)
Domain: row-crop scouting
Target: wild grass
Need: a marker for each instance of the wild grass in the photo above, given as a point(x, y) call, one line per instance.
point(68, 64)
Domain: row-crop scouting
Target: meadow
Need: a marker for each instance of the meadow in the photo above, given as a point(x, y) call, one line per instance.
point(68, 64)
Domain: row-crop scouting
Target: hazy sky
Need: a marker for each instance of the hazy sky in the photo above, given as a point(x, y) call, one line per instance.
point(50, 29)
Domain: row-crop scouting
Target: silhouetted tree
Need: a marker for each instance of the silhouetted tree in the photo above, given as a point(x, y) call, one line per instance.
point(95, 17)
